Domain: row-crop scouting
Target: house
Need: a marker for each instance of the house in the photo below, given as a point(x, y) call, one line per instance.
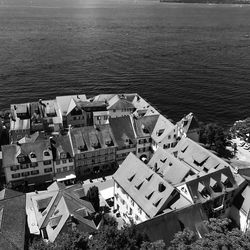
point(21, 111)
point(28, 163)
point(140, 193)
point(125, 137)
point(119, 106)
point(45, 115)
point(215, 190)
point(64, 166)
point(12, 220)
point(59, 209)
point(94, 149)
point(144, 127)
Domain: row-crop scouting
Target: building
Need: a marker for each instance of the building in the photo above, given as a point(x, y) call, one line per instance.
point(70, 112)
point(19, 129)
point(28, 164)
point(58, 210)
point(144, 127)
point(12, 220)
point(94, 149)
point(125, 137)
point(64, 166)
point(140, 193)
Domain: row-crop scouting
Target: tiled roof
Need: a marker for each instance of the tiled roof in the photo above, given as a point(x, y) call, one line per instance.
point(104, 97)
point(151, 192)
point(123, 131)
point(19, 124)
point(196, 156)
point(144, 126)
point(12, 221)
point(120, 103)
point(89, 138)
point(64, 101)
point(10, 152)
point(169, 167)
point(63, 144)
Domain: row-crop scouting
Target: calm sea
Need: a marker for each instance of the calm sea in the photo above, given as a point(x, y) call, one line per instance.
point(181, 57)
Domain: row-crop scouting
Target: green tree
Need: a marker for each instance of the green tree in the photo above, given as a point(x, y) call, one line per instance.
point(157, 245)
point(93, 197)
point(220, 236)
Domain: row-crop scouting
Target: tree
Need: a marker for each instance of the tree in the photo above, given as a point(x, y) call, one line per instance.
point(93, 197)
point(157, 245)
point(214, 137)
point(220, 236)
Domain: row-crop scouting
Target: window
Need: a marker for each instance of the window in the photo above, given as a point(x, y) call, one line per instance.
point(34, 172)
point(65, 169)
point(114, 110)
point(58, 170)
point(64, 161)
point(71, 160)
point(47, 170)
point(34, 164)
point(21, 159)
point(24, 166)
point(14, 168)
point(15, 176)
point(57, 162)
point(71, 167)
point(46, 153)
point(48, 162)
point(169, 136)
point(24, 174)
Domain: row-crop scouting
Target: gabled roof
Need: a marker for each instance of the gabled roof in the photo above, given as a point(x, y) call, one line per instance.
point(64, 102)
point(169, 167)
point(12, 220)
point(119, 103)
point(63, 144)
point(144, 126)
point(162, 128)
point(196, 156)
point(10, 152)
point(150, 191)
point(104, 97)
point(123, 131)
point(52, 208)
point(242, 200)
point(213, 183)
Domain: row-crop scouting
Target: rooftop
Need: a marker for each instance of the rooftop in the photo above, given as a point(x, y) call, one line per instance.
point(150, 191)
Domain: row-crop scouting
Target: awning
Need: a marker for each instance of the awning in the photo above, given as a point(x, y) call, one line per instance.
point(67, 177)
point(107, 193)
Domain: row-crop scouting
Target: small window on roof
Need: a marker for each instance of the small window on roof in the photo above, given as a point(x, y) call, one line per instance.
point(131, 178)
point(139, 186)
point(149, 196)
point(183, 150)
point(161, 187)
point(160, 132)
point(32, 155)
point(157, 202)
point(46, 153)
point(149, 178)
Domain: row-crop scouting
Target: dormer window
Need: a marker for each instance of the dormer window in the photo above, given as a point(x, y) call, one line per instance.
point(149, 196)
point(21, 159)
point(139, 186)
point(203, 191)
point(131, 178)
point(32, 155)
point(214, 185)
point(225, 181)
point(149, 178)
point(63, 156)
point(46, 153)
point(161, 187)
point(109, 142)
point(159, 132)
point(157, 202)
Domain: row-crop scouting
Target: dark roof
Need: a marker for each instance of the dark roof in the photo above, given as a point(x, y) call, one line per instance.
point(63, 144)
point(144, 126)
point(89, 138)
point(194, 124)
point(207, 181)
point(122, 129)
point(165, 226)
point(12, 220)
